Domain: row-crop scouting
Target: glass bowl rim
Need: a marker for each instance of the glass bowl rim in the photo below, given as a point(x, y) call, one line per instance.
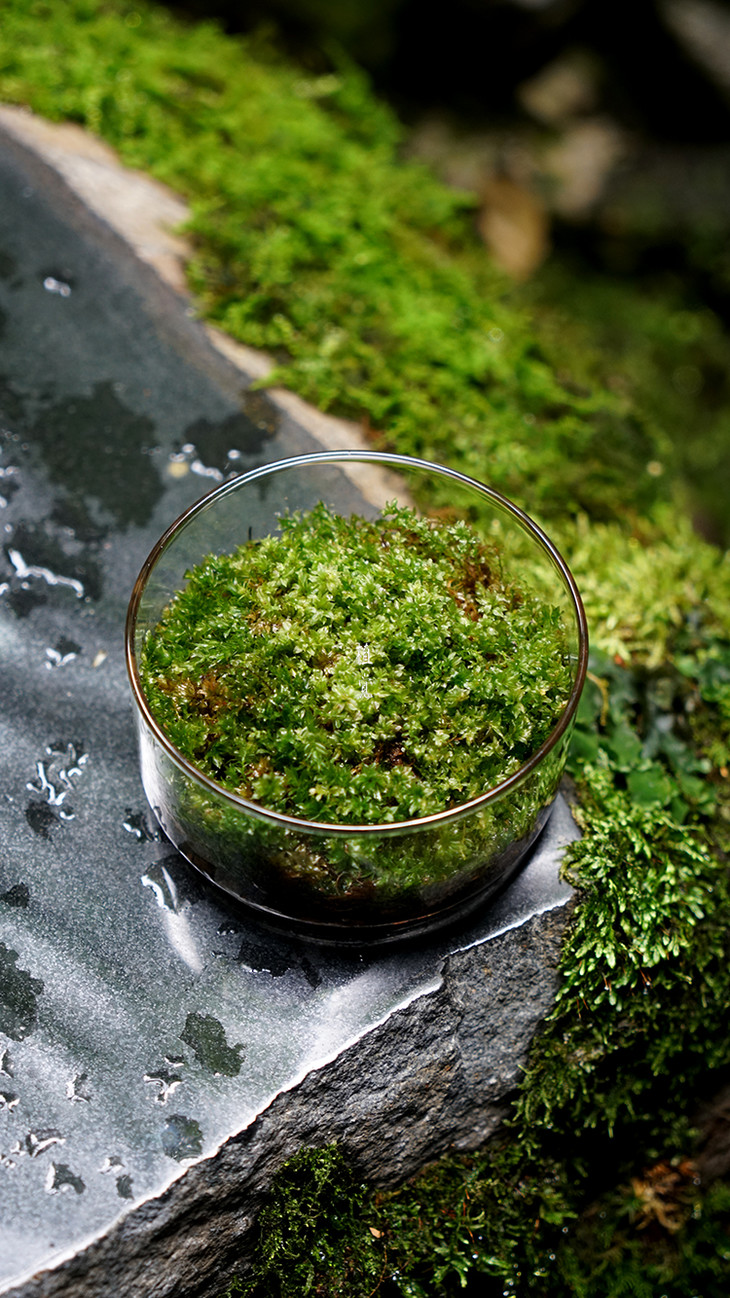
point(340, 829)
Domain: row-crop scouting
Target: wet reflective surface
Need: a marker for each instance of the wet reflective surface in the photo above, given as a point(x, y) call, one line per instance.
point(142, 1021)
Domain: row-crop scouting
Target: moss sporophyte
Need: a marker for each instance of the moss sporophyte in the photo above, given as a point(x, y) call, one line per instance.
point(358, 672)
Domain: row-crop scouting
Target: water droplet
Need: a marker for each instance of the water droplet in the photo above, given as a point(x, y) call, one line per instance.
point(138, 824)
point(60, 1178)
point(38, 1142)
point(159, 879)
point(124, 1187)
point(166, 1080)
point(77, 1090)
point(265, 957)
point(9, 478)
point(111, 1163)
point(182, 1137)
point(82, 439)
point(63, 764)
point(495, 335)
point(207, 1039)
point(17, 896)
point(41, 818)
point(19, 994)
point(172, 883)
point(276, 958)
point(64, 652)
point(59, 286)
point(26, 572)
point(206, 470)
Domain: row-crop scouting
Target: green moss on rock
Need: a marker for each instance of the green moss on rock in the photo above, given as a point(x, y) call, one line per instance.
point(314, 239)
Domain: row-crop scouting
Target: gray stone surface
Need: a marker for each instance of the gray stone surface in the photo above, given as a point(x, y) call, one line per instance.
point(434, 1074)
point(160, 1056)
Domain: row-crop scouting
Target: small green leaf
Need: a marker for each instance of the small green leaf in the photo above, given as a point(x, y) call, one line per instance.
point(649, 788)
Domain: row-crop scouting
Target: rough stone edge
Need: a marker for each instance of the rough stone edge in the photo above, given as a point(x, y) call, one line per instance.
point(148, 216)
point(440, 1076)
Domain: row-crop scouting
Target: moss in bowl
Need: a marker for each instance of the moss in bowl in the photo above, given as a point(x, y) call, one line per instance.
point(358, 724)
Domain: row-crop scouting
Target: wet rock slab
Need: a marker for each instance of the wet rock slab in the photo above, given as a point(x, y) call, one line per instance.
point(160, 1056)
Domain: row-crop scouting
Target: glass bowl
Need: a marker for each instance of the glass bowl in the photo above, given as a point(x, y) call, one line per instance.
point(400, 879)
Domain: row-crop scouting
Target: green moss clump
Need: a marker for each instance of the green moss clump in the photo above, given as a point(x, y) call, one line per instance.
point(318, 1223)
point(358, 671)
point(484, 1225)
point(314, 239)
point(669, 353)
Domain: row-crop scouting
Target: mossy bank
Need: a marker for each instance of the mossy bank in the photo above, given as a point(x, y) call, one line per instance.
point(362, 276)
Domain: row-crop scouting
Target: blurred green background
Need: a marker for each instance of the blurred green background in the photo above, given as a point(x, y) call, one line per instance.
point(596, 137)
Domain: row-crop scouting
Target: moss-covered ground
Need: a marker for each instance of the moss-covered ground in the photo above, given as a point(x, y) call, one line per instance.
point(601, 407)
